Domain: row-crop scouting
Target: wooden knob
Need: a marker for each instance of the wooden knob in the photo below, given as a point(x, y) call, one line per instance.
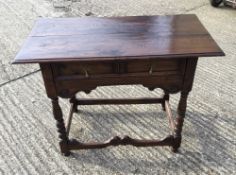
point(86, 73)
point(150, 70)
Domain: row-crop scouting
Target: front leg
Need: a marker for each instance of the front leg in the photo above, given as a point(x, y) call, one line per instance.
point(57, 112)
point(187, 86)
point(180, 120)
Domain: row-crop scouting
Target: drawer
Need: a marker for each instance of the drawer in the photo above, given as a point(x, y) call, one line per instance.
point(73, 77)
point(82, 68)
point(152, 66)
point(113, 68)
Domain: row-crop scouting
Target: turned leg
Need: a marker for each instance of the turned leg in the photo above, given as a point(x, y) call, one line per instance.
point(166, 96)
point(180, 120)
point(60, 127)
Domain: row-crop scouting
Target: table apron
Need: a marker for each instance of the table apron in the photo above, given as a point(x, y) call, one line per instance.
point(69, 86)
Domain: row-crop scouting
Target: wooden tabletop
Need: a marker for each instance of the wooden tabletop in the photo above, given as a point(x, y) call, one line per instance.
point(91, 38)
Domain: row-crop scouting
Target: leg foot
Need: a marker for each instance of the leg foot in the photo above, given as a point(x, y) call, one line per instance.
point(66, 154)
point(57, 113)
point(176, 145)
point(174, 150)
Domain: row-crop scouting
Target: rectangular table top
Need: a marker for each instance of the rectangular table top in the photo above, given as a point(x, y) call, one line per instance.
point(111, 38)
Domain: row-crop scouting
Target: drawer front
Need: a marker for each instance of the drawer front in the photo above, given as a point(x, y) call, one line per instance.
point(152, 66)
point(83, 69)
point(94, 69)
point(73, 77)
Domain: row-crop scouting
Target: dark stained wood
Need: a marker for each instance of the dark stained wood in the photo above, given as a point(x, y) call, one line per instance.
point(81, 54)
point(88, 69)
point(87, 39)
point(126, 140)
point(187, 87)
point(115, 25)
point(73, 77)
point(118, 101)
point(69, 85)
point(84, 69)
point(58, 116)
point(116, 141)
point(48, 80)
point(153, 66)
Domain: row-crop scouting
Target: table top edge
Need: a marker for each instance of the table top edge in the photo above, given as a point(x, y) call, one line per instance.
point(54, 60)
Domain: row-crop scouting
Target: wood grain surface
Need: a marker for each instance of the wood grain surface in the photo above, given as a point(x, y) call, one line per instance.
point(133, 37)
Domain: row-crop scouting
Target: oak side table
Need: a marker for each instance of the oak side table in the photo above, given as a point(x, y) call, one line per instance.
point(80, 54)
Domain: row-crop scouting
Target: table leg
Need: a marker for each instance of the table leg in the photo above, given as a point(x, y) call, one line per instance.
point(73, 101)
point(166, 96)
point(73, 109)
point(180, 120)
point(57, 112)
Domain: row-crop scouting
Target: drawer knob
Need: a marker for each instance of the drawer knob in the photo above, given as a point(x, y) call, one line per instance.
point(86, 73)
point(150, 70)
